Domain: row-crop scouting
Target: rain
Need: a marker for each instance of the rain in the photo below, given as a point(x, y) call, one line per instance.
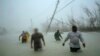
point(48, 16)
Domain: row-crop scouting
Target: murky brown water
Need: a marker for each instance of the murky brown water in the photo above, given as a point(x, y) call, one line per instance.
point(10, 46)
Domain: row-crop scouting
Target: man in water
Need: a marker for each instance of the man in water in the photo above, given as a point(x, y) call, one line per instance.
point(57, 35)
point(24, 37)
point(74, 37)
point(37, 37)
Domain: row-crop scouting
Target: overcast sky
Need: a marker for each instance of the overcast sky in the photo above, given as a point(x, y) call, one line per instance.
point(17, 14)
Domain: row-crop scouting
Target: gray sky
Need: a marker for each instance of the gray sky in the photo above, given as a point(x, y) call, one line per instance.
point(17, 14)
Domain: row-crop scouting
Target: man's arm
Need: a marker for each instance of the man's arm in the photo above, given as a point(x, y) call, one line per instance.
point(81, 39)
point(43, 39)
point(66, 39)
point(31, 41)
point(60, 35)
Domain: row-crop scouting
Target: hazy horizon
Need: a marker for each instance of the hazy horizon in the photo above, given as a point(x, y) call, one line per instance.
point(17, 14)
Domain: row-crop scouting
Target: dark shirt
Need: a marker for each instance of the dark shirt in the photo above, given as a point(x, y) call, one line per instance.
point(57, 34)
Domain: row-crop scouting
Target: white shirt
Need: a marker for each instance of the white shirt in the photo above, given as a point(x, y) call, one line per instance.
point(74, 37)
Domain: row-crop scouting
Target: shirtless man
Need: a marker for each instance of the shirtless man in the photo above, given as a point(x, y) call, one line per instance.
point(74, 37)
point(36, 38)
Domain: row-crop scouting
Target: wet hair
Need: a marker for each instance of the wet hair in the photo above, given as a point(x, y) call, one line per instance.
point(74, 28)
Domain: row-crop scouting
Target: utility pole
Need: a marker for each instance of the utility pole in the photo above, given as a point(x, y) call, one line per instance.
point(65, 6)
point(55, 12)
point(53, 16)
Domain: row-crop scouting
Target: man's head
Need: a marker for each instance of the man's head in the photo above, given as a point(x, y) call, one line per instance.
point(74, 28)
point(35, 30)
point(57, 30)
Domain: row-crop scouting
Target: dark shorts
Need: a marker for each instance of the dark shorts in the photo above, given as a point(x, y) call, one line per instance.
point(74, 49)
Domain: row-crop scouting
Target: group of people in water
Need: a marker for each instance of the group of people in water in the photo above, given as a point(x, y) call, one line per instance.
point(74, 36)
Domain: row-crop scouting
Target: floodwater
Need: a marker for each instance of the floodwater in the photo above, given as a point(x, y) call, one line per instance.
point(11, 46)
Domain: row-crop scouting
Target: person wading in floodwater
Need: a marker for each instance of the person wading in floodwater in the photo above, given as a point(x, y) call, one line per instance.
point(57, 35)
point(74, 37)
point(36, 38)
point(24, 37)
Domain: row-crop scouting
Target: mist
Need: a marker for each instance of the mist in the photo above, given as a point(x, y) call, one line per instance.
point(17, 15)
point(48, 16)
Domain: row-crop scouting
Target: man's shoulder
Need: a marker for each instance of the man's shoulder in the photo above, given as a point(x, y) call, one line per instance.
point(39, 33)
point(78, 32)
point(70, 32)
